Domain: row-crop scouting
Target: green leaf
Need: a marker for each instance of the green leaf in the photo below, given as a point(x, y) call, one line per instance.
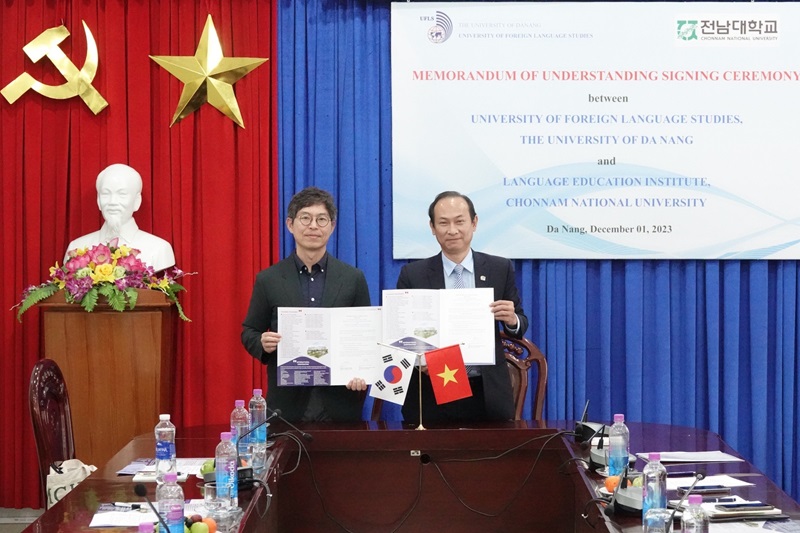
point(115, 297)
point(133, 296)
point(35, 296)
point(180, 310)
point(89, 300)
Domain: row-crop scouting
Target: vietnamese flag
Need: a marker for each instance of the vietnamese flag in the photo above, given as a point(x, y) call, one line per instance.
point(448, 374)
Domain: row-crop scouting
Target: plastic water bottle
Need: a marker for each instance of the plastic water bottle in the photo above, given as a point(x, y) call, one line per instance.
point(240, 424)
point(227, 472)
point(170, 497)
point(165, 448)
point(618, 439)
point(654, 484)
point(694, 518)
point(657, 520)
point(258, 437)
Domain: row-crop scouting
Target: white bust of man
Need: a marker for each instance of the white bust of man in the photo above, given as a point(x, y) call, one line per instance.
point(119, 195)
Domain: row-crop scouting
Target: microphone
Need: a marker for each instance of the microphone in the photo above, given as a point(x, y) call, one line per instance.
point(277, 414)
point(141, 491)
point(697, 477)
point(245, 474)
point(610, 507)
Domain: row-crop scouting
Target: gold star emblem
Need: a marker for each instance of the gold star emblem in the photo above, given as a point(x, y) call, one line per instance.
point(208, 76)
point(448, 375)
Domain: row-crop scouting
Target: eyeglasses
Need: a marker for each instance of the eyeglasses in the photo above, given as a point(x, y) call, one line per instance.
point(322, 220)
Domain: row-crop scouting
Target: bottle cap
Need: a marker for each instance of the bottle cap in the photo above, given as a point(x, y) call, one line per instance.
point(654, 456)
point(163, 417)
point(170, 477)
point(146, 527)
point(225, 435)
point(239, 403)
point(258, 392)
point(619, 418)
point(695, 499)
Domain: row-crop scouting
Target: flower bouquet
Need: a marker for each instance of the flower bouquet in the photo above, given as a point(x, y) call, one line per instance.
point(111, 271)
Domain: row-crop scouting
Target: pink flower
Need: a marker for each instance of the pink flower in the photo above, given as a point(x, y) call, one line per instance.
point(131, 263)
point(99, 254)
point(77, 262)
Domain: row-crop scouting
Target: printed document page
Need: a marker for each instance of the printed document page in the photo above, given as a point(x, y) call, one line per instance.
point(420, 320)
point(327, 345)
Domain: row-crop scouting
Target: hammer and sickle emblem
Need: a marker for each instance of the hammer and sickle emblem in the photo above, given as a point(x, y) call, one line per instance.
point(79, 82)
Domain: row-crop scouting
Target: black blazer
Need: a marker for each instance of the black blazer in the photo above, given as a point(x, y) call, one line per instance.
point(490, 271)
point(279, 286)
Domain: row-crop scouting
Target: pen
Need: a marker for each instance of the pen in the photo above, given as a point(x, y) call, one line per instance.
point(132, 506)
point(681, 474)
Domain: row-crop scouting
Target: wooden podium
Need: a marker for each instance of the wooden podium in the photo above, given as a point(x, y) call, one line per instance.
point(119, 368)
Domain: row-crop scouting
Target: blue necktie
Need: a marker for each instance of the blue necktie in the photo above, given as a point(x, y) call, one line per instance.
point(458, 283)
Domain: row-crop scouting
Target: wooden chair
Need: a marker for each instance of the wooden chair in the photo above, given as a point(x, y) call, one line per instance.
point(52, 421)
point(521, 354)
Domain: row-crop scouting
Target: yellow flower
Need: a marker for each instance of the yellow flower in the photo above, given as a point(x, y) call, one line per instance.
point(104, 272)
point(122, 251)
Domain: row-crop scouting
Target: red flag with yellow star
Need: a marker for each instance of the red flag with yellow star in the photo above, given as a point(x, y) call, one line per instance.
point(448, 374)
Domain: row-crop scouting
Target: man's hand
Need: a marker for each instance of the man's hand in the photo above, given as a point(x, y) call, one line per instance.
point(503, 310)
point(356, 384)
point(270, 340)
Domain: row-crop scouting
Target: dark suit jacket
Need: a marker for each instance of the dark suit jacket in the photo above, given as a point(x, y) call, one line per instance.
point(490, 271)
point(279, 286)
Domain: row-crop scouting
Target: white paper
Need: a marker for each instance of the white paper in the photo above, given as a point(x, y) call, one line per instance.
point(187, 466)
point(726, 481)
point(694, 457)
point(107, 514)
point(423, 319)
point(327, 345)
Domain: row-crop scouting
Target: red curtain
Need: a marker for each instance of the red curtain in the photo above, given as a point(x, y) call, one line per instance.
point(210, 188)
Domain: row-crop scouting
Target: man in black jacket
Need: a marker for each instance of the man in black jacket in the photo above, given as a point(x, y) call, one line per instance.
point(453, 221)
point(310, 277)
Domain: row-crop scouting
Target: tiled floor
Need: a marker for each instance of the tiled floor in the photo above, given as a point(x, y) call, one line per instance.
point(15, 520)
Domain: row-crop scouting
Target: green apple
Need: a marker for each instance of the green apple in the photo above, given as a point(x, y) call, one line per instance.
point(208, 466)
point(199, 527)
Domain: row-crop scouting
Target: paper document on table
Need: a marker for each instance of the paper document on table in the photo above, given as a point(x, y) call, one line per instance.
point(122, 515)
point(420, 320)
point(711, 456)
point(136, 465)
point(187, 466)
point(327, 345)
point(726, 481)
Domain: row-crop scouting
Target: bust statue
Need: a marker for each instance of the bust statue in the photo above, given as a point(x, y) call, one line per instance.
point(119, 195)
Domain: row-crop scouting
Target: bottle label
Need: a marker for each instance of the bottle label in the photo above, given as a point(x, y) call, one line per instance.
point(165, 450)
point(226, 480)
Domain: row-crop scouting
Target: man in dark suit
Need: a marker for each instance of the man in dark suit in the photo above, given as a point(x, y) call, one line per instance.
point(453, 221)
point(310, 277)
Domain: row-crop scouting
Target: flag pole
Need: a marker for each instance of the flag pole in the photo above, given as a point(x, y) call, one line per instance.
point(419, 375)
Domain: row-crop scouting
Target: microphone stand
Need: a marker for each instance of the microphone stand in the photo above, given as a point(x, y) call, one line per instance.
point(623, 482)
point(245, 474)
point(141, 491)
point(277, 414)
point(697, 477)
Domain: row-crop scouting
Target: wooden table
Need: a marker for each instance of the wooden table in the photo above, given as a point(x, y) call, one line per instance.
point(381, 477)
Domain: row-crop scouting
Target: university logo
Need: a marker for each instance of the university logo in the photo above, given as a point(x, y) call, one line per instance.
point(442, 30)
point(687, 30)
